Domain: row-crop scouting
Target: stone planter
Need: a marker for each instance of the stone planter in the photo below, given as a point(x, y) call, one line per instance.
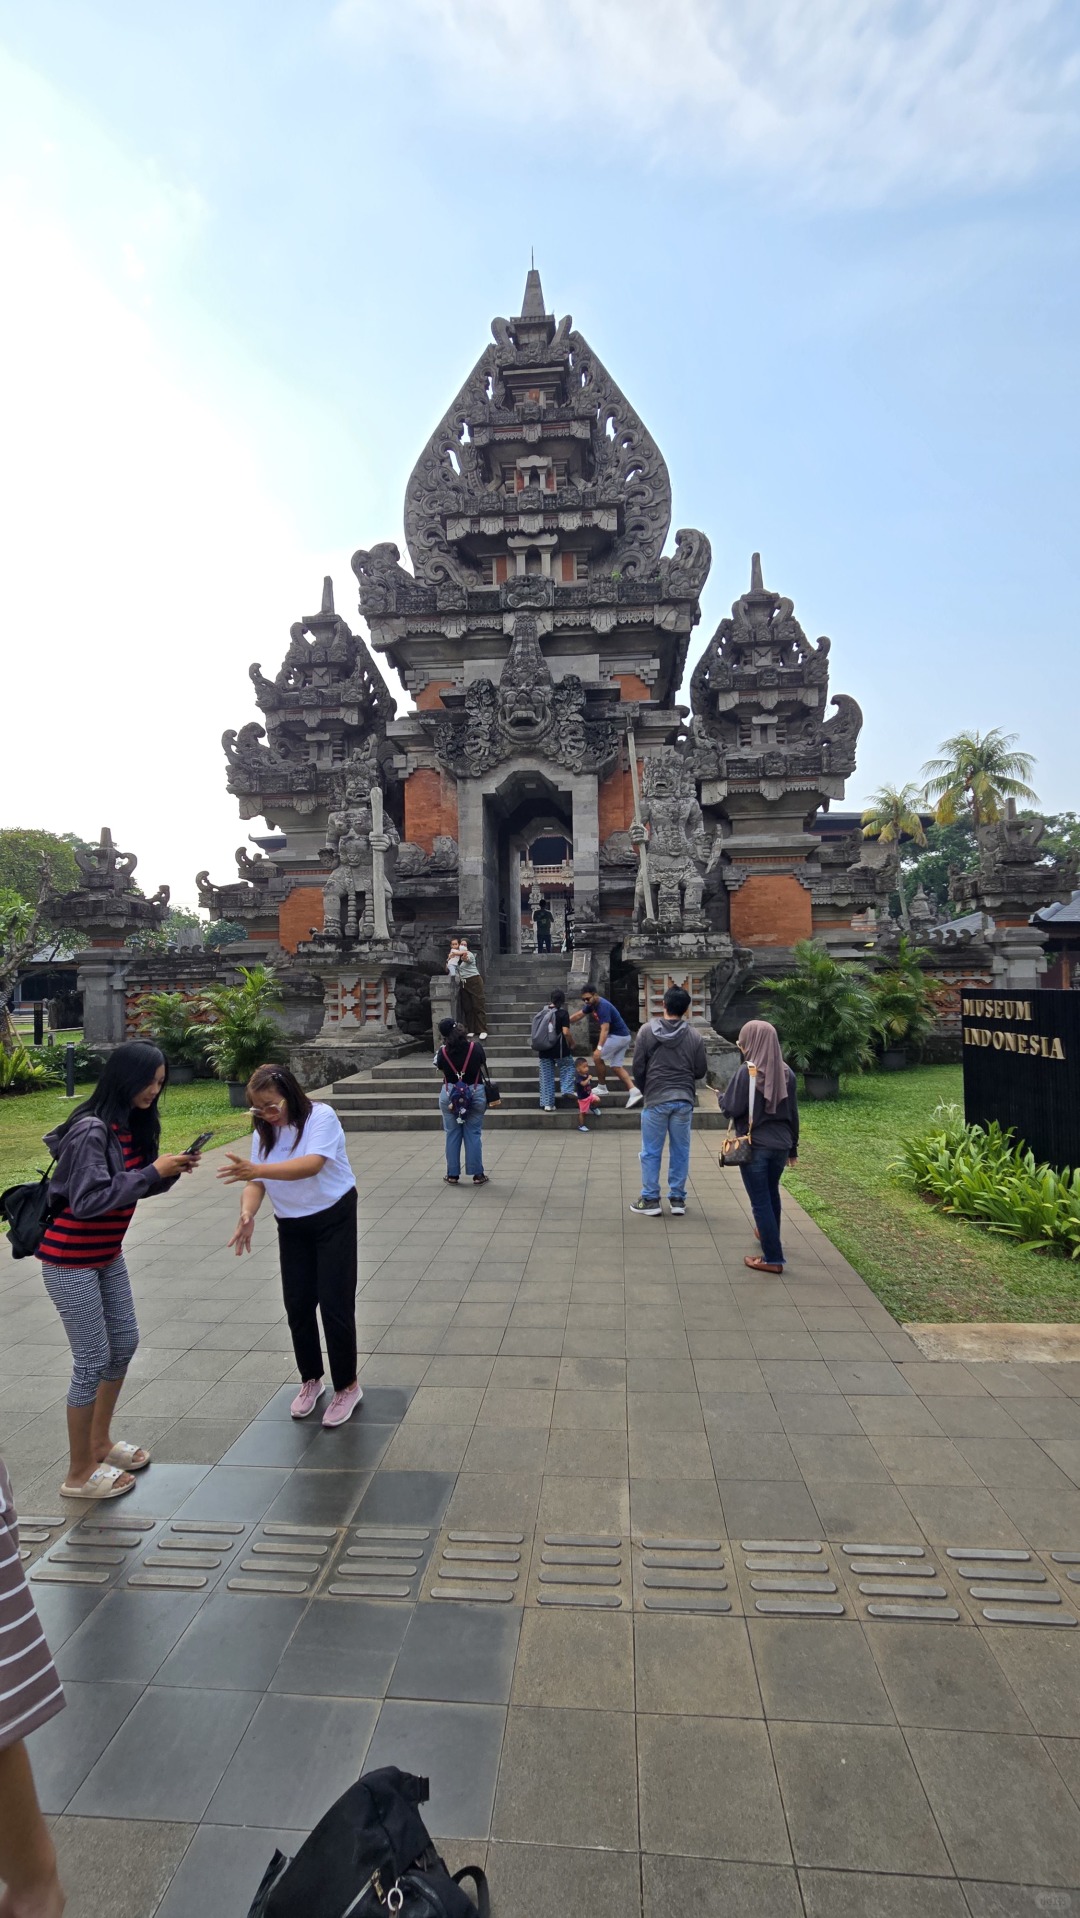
point(822, 1085)
point(894, 1059)
point(238, 1095)
point(180, 1075)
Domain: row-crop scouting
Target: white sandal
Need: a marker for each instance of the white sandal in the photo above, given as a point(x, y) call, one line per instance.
point(102, 1483)
point(127, 1457)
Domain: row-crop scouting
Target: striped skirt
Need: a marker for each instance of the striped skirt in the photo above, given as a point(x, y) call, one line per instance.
point(30, 1692)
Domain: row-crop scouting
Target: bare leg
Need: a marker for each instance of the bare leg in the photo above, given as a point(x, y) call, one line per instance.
point(601, 1066)
point(88, 1438)
point(103, 1408)
point(621, 1073)
point(27, 1854)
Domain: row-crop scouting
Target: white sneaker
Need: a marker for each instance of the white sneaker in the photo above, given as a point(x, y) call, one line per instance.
point(481, 1035)
point(600, 1091)
point(634, 1098)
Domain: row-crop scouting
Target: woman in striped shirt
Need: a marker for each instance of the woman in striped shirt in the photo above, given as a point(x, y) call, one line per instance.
point(30, 1694)
point(106, 1161)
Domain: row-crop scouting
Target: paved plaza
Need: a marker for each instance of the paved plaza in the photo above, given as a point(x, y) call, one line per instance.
point(656, 1677)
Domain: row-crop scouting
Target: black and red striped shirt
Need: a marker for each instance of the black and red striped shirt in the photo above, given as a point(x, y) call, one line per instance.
point(71, 1241)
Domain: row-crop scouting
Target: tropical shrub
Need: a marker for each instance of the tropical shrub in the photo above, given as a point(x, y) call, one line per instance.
point(904, 1000)
point(19, 1072)
point(51, 1060)
point(241, 1030)
point(176, 1024)
point(824, 1013)
point(981, 1175)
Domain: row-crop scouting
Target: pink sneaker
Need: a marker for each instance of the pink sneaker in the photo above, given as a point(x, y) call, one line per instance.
point(342, 1405)
point(307, 1398)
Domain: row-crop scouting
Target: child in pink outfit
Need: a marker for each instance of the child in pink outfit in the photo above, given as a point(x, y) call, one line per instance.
point(587, 1100)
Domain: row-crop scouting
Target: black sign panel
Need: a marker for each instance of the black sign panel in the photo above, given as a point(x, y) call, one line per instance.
point(1022, 1068)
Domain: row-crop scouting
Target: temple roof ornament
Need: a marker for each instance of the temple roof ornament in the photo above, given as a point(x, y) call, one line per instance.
point(759, 694)
point(108, 898)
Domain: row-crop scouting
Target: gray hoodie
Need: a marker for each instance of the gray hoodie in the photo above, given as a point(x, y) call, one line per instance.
point(90, 1178)
point(669, 1059)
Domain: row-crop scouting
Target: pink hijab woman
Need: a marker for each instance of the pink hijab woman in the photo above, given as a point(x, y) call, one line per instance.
point(762, 1104)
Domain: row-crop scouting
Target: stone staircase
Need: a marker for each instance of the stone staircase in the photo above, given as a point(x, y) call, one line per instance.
point(402, 1095)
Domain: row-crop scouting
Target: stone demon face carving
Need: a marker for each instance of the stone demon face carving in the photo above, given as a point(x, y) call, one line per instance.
point(525, 702)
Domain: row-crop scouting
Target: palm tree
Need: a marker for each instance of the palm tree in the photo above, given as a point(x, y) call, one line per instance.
point(977, 773)
point(889, 816)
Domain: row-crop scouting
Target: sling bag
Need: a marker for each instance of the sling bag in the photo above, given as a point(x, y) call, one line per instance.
point(737, 1148)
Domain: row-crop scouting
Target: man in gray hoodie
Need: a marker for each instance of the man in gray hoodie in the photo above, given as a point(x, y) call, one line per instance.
point(669, 1059)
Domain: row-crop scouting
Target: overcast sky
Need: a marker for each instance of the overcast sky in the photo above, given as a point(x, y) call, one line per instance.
point(829, 248)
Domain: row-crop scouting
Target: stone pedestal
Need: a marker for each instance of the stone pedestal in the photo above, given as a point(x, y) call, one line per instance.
point(359, 1025)
point(102, 980)
point(709, 968)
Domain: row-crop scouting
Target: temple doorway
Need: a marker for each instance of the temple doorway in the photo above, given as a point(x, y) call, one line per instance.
point(528, 855)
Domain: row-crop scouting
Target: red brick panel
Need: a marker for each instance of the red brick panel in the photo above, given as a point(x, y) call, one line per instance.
point(615, 802)
point(430, 807)
point(770, 909)
point(302, 910)
point(631, 687)
point(431, 697)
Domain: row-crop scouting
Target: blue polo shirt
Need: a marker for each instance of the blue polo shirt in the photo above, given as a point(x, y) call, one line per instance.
point(610, 1016)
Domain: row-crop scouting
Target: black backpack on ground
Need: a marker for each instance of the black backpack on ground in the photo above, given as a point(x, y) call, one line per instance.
point(28, 1214)
point(371, 1856)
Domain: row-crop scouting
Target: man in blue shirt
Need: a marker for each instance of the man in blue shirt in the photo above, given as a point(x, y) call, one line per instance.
point(612, 1045)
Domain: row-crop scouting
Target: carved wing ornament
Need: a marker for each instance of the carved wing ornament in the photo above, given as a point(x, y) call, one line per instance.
point(628, 460)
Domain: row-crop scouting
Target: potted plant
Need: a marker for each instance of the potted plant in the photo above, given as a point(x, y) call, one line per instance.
point(824, 1013)
point(242, 1032)
point(903, 1007)
point(174, 1023)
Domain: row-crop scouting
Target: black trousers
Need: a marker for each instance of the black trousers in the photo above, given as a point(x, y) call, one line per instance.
point(318, 1269)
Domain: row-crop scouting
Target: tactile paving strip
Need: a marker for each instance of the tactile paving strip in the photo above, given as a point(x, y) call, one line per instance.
point(380, 1561)
point(185, 1555)
point(1010, 1587)
point(94, 1552)
point(681, 1575)
point(581, 1569)
point(791, 1578)
point(35, 1531)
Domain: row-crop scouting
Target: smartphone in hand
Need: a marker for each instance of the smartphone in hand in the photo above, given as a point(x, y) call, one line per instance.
point(196, 1145)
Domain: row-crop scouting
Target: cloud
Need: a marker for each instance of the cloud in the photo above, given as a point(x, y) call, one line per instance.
point(856, 101)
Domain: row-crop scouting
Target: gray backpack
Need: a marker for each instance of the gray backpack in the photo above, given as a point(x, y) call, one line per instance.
point(544, 1032)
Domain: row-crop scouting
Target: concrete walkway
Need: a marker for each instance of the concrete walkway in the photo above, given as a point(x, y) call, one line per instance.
point(622, 1412)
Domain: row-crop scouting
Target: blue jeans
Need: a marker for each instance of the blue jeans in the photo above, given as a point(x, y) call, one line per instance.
point(762, 1181)
point(547, 1078)
point(671, 1121)
point(471, 1135)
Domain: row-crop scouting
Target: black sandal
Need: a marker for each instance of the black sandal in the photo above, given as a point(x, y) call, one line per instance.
point(480, 1178)
point(447, 1180)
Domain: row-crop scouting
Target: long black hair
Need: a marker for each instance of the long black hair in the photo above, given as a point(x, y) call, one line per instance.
point(127, 1072)
point(297, 1104)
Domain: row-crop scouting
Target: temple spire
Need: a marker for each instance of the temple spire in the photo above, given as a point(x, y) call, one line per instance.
point(327, 594)
point(532, 306)
point(757, 584)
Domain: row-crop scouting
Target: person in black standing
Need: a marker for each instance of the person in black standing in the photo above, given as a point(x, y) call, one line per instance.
point(761, 1102)
point(543, 919)
point(461, 1061)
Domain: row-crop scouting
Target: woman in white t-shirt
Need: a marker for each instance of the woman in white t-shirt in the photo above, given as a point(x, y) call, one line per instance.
point(300, 1158)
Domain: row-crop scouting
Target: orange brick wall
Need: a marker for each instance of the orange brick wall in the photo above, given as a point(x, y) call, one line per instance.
point(770, 909)
point(432, 695)
point(298, 913)
point(615, 803)
point(631, 687)
point(430, 807)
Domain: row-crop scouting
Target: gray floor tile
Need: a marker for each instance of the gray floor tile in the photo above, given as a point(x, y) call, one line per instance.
point(506, 1449)
point(127, 1636)
point(63, 1751)
point(753, 1455)
point(817, 1670)
point(274, 1442)
point(711, 1889)
point(856, 1894)
point(854, 1801)
point(234, 1492)
point(1008, 1463)
point(948, 1680)
point(852, 1511)
point(355, 1447)
point(1002, 1807)
point(826, 1458)
point(162, 1490)
point(1044, 1672)
point(544, 1881)
point(684, 1508)
point(117, 1868)
point(234, 1642)
point(457, 1747)
point(458, 1653)
point(1012, 1901)
point(959, 1515)
point(318, 1498)
point(708, 1790)
point(571, 1772)
point(1047, 1519)
point(977, 1415)
point(906, 1417)
point(756, 1508)
point(816, 1412)
point(296, 1757)
point(338, 1652)
point(62, 1609)
point(570, 1658)
point(406, 1498)
point(700, 1666)
point(743, 1411)
point(924, 1461)
point(222, 1869)
point(168, 1757)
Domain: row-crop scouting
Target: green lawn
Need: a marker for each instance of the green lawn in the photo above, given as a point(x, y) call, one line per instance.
point(185, 1112)
point(921, 1264)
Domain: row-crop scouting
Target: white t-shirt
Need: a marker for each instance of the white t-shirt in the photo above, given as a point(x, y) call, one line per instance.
point(298, 1198)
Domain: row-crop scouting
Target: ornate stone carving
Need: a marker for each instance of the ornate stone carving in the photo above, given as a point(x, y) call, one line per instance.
point(677, 843)
point(1012, 875)
point(352, 843)
point(527, 712)
point(108, 899)
point(759, 694)
point(258, 892)
point(412, 862)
